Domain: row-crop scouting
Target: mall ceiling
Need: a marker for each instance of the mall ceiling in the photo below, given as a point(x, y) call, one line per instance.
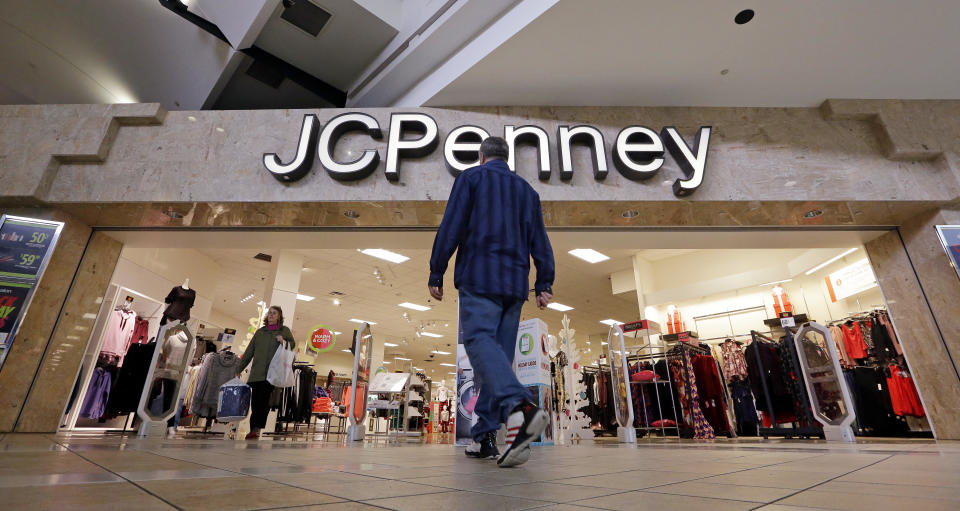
point(480, 52)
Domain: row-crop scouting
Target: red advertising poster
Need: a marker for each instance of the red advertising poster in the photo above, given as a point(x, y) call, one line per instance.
point(13, 299)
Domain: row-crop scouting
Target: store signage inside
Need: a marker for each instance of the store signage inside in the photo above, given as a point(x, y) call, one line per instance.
point(637, 152)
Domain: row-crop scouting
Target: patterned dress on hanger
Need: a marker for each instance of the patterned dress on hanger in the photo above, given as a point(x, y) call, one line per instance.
point(691, 399)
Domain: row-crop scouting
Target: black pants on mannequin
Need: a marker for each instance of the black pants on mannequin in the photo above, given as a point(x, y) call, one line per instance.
point(259, 403)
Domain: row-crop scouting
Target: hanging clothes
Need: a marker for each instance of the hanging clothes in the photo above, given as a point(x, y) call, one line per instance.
point(125, 394)
point(838, 341)
point(903, 393)
point(771, 377)
point(216, 369)
point(686, 382)
point(711, 392)
point(884, 319)
point(119, 331)
point(734, 363)
point(853, 340)
point(882, 343)
point(744, 409)
point(98, 393)
point(874, 408)
point(141, 331)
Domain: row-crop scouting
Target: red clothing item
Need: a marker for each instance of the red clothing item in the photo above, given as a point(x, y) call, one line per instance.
point(853, 341)
point(903, 394)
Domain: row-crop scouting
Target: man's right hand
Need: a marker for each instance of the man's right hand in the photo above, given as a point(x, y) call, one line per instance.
point(436, 292)
point(543, 299)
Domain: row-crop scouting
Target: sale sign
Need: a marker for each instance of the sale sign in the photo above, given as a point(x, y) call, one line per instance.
point(24, 244)
point(13, 298)
point(322, 338)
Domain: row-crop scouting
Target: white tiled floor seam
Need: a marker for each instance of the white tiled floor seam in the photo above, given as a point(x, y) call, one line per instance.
point(141, 488)
point(824, 482)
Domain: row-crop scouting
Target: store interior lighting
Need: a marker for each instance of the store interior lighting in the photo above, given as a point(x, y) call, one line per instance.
point(445, 364)
point(831, 260)
point(414, 306)
point(776, 282)
point(355, 320)
point(589, 255)
point(386, 255)
point(608, 322)
point(438, 352)
point(402, 358)
point(390, 345)
point(430, 334)
point(305, 298)
point(559, 307)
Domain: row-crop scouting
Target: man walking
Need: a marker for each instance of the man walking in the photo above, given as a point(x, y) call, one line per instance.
point(494, 221)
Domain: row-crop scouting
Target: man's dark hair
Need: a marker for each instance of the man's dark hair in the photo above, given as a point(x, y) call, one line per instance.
point(495, 148)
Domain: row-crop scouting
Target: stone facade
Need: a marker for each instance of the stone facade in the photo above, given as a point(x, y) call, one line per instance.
point(871, 163)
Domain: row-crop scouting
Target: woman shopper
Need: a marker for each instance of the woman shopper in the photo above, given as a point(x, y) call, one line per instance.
point(261, 350)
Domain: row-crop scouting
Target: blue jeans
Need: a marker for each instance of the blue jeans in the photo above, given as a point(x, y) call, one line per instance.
point(488, 325)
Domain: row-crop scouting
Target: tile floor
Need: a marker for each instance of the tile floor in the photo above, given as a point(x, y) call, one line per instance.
point(105, 473)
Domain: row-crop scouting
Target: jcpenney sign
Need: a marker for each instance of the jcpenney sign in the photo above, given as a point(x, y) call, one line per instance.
point(638, 151)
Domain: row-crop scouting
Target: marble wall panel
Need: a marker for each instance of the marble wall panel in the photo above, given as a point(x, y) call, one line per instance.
point(757, 154)
point(917, 329)
point(48, 396)
point(30, 343)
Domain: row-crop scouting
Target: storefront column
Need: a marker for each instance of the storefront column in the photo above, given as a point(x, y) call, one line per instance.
point(923, 296)
point(283, 285)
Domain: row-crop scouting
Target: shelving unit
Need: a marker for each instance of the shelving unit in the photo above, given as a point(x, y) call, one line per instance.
point(414, 398)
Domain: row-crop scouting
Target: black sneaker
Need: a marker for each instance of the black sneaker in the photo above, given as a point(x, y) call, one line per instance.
point(524, 425)
point(486, 448)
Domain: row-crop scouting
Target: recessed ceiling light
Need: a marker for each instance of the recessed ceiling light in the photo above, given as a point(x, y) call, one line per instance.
point(390, 345)
point(338, 333)
point(386, 255)
point(386, 362)
point(351, 214)
point(453, 374)
point(776, 282)
point(431, 334)
point(832, 259)
point(438, 352)
point(414, 306)
point(346, 351)
point(448, 365)
point(603, 343)
point(611, 322)
point(559, 307)
point(630, 213)
point(724, 72)
point(813, 213)
point(355, 320)
point(401, 358)
point(743, 17)
point(588, 254)
point(336, 301)
point(305, 298)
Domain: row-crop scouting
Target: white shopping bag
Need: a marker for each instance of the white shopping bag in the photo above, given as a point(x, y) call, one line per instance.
point(280, 373)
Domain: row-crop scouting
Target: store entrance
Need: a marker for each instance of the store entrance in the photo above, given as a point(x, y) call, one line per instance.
point(725, 286)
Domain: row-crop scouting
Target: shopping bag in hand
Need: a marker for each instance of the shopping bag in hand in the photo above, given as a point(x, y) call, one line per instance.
point(233, 401)
point(280, 373)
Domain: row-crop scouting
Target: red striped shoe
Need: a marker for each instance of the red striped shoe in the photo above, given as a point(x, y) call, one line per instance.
point(524, 425)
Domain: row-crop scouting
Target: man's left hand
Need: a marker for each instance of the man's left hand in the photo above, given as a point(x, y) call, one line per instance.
point(543, 299)
point(436, 292)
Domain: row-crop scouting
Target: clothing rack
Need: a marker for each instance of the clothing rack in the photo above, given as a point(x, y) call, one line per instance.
point(673, 400)
point(804, 414)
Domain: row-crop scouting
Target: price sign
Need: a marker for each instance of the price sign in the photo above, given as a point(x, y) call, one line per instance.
point(13, 300)
point(322, 338)
point(24, 245)
point(787, 322)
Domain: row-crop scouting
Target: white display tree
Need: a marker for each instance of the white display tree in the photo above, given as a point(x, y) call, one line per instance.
point(574, 424)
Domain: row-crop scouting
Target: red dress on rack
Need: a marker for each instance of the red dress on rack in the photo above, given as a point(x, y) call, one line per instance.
point(853, 341)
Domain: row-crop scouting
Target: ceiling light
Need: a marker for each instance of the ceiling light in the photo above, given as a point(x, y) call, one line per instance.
point(438, 352)
point(355, 320)
point(401, 358)
point(453, 374)
point(608, 322)
point(346, 350)
point(390, 345)
point(589, 255)
point(386, 255)
point(813, 213)
point(414, 306)
point(776, 282)
point(448, 365)
point(338, 333)
point(385, 362)
point(305, 298)
point(431, 334)
point(351, 214)
point(833, 259)
point(336, 301)
point(603, 343)
point(630, 213)
point(559, 307)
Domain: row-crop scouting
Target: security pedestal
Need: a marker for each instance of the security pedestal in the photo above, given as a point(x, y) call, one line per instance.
point(626, 435)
